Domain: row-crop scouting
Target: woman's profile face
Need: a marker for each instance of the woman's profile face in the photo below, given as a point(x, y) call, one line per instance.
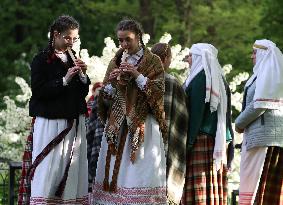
point(128, 40)
point(167, 62)
point(253, 56)
point(188, 59)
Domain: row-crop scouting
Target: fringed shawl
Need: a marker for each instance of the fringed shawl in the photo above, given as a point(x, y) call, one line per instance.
point(132, 104)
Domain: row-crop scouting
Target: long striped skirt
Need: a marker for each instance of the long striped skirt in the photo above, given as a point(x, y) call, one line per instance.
point(204, 185)
point(270, 189)
point(262, 184)
point(53, 168)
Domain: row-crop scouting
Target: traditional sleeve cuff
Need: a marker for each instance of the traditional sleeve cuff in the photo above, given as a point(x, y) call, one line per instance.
point(65, 83)
point(141, 81)
point(109, 90)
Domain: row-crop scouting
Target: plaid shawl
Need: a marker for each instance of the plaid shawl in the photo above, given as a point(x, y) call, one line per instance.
point(94, 136)
point(176, 115)
point(130, 101)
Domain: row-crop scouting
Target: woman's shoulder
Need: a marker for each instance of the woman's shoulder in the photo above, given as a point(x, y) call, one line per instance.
point(172, 79)
point(152, 61)
point(201, 74)
point(251, 91)
point(42, 55)
point(199, 78)
point(149, 55)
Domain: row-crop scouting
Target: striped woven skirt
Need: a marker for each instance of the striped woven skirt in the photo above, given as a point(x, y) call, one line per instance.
point(204, 185)
point(261, 180)
point(270, 190)
point(53, 168)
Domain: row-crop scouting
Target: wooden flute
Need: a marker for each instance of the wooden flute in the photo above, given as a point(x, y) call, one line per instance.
point(74, 59)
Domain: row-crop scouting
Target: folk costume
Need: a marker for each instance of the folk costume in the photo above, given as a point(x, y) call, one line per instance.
point(209, 129)
point(55, 160)
point(176, 115)
point(261, 168)
point(131, 166)
point(94, 133)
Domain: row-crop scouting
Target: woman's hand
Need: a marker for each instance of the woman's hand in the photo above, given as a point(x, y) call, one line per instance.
point(81, 64)
point(71, 73)
point(114, 74)
point(130, 69)
point(239, 130)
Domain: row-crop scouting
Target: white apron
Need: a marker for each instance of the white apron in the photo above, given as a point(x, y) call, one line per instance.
point(50, 171)
point(251, 167)
point(143, 182)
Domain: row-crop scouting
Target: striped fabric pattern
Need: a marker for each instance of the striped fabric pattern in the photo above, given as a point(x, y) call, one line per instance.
point(204, 186)
point(270, 189)
point(25, 184)
point(129, 196)
point(56, 201)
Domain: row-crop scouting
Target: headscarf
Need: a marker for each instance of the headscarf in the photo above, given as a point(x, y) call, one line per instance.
point(204, 57)
point(268, 71)
point(195, 69)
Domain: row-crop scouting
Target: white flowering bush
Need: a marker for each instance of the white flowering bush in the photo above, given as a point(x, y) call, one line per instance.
point(14, 123)
point(236, 97)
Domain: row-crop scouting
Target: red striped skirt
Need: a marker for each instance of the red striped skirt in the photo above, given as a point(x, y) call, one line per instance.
point(270, 190)
point(204, 185)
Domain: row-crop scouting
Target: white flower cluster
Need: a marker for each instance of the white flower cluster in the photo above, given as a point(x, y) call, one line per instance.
point(25, 90)
point(145, 38)
point(15, 121)
point(237, 98)
point(178, 54)
point(165, 38)
point(227, 69)
point(237, 80)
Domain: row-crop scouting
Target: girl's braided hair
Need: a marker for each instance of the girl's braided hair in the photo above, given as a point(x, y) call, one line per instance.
point(61, 24)
point(131, 25)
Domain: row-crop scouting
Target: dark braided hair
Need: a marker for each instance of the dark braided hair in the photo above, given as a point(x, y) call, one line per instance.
point(61, 24)
point(163, 50)
point(131, 25)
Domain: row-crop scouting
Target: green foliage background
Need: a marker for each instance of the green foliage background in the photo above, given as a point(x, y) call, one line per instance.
point(231, 25)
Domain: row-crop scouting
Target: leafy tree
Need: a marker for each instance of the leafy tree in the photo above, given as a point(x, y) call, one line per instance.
point(232, 26)
point(272, 20)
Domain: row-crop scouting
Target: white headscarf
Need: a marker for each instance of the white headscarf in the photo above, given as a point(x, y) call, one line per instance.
point(269, 73)
point(195, 69)
point(204, 57)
